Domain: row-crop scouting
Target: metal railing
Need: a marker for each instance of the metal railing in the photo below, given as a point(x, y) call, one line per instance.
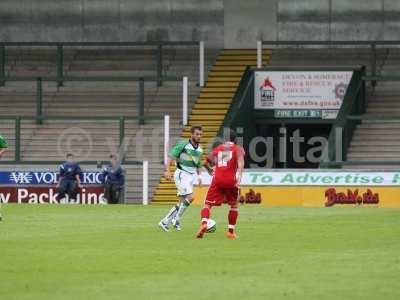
point(372, 45)
point(61, 77)
point(60, 46)
point(17, 132)
point(140, 80)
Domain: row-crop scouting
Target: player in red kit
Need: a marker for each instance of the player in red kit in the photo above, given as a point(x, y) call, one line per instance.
point(228, 159)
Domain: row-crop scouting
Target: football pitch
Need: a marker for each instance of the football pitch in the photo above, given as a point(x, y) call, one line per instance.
point(118, 252)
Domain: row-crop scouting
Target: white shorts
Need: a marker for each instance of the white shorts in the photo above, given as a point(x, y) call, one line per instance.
point(184, 182)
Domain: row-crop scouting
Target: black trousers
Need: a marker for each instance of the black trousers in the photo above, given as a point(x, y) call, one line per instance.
point(67, 187)
point(112, 192)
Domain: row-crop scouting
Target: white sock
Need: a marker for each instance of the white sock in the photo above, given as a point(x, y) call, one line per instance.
point(182, 207)
point(170, 215)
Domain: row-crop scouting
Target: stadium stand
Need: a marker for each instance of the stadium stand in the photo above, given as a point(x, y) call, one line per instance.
point(324, 56)
point(378, 139)
point(114, 99)
point(39, 142)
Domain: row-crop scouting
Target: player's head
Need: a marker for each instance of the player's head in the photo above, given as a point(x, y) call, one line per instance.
point(70, 157)
point(113, 160)
point(196, 133)
point(229, 136)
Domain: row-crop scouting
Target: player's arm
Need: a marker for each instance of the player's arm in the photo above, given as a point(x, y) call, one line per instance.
point(200, 166)
point(121, 178)
point(167, 173)
point(103, 176)
point(199, 181)
point(210, 162)
point(209, 168)
point(61, 174)
point(78, 176)
point(208, 165)
point(3, 146)
point(173, 156)
point(240, 166)
point(78, 180)
point(2, 151)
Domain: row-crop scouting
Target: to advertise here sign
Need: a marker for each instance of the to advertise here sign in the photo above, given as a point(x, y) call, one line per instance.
point(255, 177)
point(40, 187)
point(315, 188)
point(301, 94)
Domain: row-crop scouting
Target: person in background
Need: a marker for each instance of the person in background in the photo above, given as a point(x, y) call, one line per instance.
point(70, 181)
point(3, 149)
point(113, 180)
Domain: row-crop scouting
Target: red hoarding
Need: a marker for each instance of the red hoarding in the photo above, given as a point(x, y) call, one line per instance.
point(48, 194)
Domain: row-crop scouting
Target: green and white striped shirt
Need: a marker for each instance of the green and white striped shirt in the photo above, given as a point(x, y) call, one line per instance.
point(187, 156)
point(3, 143)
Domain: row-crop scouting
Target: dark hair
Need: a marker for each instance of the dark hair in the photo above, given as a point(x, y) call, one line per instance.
point(113, 156)
point(230, 135)
point(70, 155)
point(196, 127)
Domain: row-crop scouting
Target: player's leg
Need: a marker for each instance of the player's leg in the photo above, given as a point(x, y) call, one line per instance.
point(113, 194)
point(174, 210)
point(107, 193)
point(184, 203)
point(232, 218)
point(62, 190)
point(184, 182)
point(72, 191)
point(168, 217)
point(232, 196)
point(116, 193)
point(214, 198)
point(205, 215)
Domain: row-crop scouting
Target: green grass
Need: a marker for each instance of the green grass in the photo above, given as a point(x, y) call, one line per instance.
point(104, 252)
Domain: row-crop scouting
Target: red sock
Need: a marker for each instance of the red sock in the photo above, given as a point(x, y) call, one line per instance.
point(232, 217)
point(205, 214)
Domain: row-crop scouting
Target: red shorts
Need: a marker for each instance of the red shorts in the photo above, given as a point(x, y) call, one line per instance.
point(217, 195)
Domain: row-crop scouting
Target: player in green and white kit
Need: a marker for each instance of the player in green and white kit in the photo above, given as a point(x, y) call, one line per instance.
point(187, 154)
point(3, 148)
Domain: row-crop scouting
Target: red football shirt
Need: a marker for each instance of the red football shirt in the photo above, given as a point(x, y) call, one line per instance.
point(226, 159)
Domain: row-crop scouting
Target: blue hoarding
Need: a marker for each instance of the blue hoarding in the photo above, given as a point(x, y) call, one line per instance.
point(43, 178)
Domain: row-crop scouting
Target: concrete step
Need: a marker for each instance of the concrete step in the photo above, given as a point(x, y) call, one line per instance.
point(375, 156)
point(374, 130)
point(367, 126)
point(372, 167)
point(372, 142)
point(383, 110)
point(377, 149)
